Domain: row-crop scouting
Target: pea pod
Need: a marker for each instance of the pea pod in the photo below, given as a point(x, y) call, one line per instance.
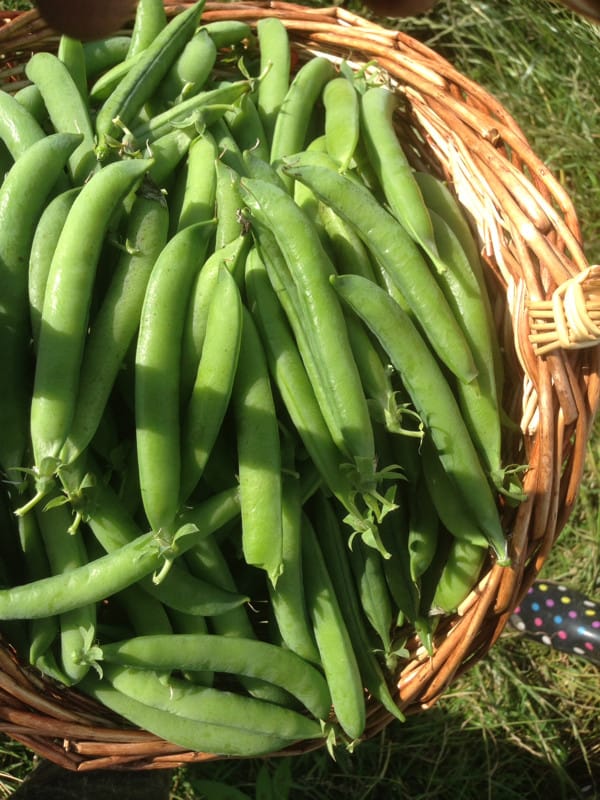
point(393, 248)
point(391, 166)
point(138, 84)
point(222, 739)
point(150, 20)
point(23, 195)
point(115, 324)
point(47, 234)
point(274, 49)
point(342, 120)
point(68, 110)
point(259, 455)
point(226, 654)
point(212, 706)
point(333, 639)
point(432, 398)
point(66, 307)
point(212, 388)
point(338, 381)
point(157, 372)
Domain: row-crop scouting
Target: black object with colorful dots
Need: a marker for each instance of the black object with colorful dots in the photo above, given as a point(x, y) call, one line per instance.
point(562, 618)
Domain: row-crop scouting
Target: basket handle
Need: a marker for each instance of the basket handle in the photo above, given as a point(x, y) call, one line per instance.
point(570, 319)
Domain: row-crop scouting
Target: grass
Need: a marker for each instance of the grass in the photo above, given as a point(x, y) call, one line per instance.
point(523, 723)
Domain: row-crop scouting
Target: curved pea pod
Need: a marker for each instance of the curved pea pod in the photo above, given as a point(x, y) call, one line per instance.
point(247, 128)
point(433, 399)
point(395, 175)
point(68, 111)
point(67, 303)
point(19, 129)
point(189, 73)
point(196, 186)
point(291, 124)
point(459, 575)
point(228, 32)
point(139, 82)
point(103, 54)
point(208, 738)
point(23, 195)
point(150, 19)
point(211, 706)
point(336, 552)
point(395, 251)
point(198, 111)
point(230, 655)
point(114, 326)
point(449, 506)
point(71, 53)
point(66, 552)
point(422, 532)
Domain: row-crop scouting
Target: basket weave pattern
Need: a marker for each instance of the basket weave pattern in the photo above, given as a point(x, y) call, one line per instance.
point(531, 245)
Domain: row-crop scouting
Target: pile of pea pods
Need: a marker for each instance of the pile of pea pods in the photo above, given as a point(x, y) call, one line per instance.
point(251, 428)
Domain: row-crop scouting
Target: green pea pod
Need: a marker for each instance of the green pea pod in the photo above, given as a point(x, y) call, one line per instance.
point(337, 384)
point(291, 125)
point(232, 256)
point(228, 203)
point(433, 400)
point(342, 120)
point(189, 73)
point(247, 128)
point(335, 552)
point(150, 20)
point(194, 190)
point(195, 113)
point(212, 706)
point(227, 654)
point(66, 552)
point(459, 575)
point(68, 110)
point(19, 129)
point(213, 385)
point(291, 379)
point(23, 195)
point(336, 649)
point(478, 399)
point(222, 739)
point(47, 234)
point(259, 456)
point(423, 531)
point(103, 54)
point(115, 324)
point(393, 248)
point(139, 83)
point(66, 307)
point(274, 49)
point(227, 32)
point(157, 373)
point(449, 506)
point(391, 166)
point(71, 53)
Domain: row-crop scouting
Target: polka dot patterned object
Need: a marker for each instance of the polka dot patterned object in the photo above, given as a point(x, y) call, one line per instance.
point(561, 618)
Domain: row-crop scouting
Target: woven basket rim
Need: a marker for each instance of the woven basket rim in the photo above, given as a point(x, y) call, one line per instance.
point(531, 244)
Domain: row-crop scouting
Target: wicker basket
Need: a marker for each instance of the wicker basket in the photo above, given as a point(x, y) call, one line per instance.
point(531, 246)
